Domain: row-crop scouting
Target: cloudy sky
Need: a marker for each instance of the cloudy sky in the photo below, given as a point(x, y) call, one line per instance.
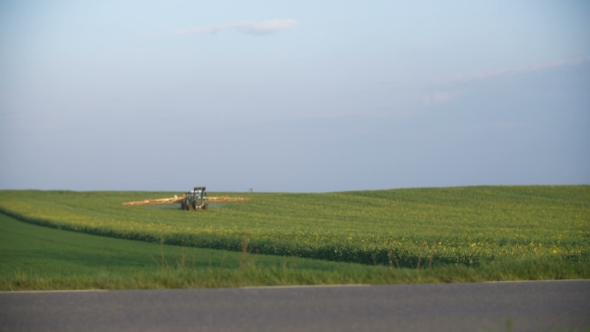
point(304, 96)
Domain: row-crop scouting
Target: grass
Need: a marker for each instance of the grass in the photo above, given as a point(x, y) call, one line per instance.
point(41, 258)
point(404, 227)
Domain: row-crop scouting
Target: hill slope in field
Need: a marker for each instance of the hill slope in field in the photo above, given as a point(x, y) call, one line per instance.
point(35, 257)
point(40, 258)
point(403, 227)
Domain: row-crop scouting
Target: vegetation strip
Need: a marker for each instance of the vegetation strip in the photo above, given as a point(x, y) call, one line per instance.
point(305, 286)
point(400, 228)
point(56, 291)
point(40, 258)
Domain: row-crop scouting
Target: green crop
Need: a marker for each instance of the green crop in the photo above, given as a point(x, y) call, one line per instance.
point(402, 227)
point(35, 258)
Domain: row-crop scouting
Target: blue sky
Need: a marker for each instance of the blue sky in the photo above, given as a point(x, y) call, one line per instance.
point(304, 96)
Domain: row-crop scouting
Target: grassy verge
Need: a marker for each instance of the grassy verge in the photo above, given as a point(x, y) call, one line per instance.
point(40, 258)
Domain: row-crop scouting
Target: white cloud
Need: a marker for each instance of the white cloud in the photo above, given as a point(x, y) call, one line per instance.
point(436, 98)
point(265, 27)
point(249, 27)
point(462, 78)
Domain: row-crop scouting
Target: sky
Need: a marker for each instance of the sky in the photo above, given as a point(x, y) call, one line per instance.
point(300, 96)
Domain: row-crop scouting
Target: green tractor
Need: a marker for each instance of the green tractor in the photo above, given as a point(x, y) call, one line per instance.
point(195, 200)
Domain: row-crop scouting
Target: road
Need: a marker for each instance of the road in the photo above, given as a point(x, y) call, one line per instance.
point(526, 306)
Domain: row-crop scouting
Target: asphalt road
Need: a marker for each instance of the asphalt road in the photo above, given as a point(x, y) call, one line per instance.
point(527, 306)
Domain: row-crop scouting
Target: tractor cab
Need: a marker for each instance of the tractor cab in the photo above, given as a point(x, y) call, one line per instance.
point(195, 200)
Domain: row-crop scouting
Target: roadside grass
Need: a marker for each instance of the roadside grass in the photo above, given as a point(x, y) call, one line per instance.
point(40, 258)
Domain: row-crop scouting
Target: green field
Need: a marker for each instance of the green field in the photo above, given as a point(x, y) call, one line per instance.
point(402, 228)
point(40, 258)
point(36, 257)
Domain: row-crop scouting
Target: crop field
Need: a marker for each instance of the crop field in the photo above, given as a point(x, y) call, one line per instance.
point(407, 228)
point(36, 257)
point(41, 258)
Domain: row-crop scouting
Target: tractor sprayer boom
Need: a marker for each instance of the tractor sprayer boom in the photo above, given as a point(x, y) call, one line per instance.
point(195, 200)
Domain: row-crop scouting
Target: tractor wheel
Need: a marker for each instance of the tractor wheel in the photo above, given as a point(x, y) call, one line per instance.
point(206, 207)
point(182, 206)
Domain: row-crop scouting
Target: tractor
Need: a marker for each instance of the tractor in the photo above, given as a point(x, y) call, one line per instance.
point(195, 200)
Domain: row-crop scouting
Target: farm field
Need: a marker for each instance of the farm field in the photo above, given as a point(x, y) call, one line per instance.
point(40, 258)
point(402, 228)
point(36, 257)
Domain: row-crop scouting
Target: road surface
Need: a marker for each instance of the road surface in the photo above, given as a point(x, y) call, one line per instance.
point(523, 306)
